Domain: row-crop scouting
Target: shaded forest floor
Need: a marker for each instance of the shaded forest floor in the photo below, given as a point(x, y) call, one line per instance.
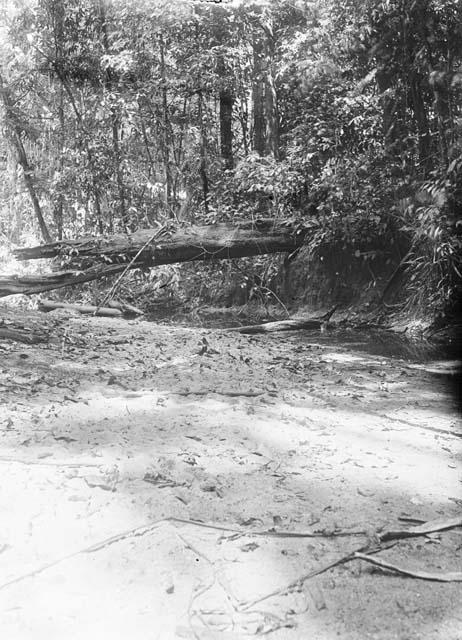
point(139, 430)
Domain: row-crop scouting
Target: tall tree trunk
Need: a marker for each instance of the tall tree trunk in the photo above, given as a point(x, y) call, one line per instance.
point(57, 15)
point(58, 208)
point(244, 121)
point(226, 117)
point(115, 123)
point(203, 152)
point(271, 102)
point(15, 132)
point(258, 97)
point(166, 129)
point(115, 120)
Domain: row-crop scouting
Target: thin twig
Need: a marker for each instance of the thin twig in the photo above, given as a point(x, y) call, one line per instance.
point(268, 534)
point(191, 547)
point(422, 529)
point(41, 463)
point(138, 531)
point(450, 576)
point(113, 289)
point(299, 581)
point(232, 394)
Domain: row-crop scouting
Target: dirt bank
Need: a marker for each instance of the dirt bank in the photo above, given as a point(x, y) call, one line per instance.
point(117, 427)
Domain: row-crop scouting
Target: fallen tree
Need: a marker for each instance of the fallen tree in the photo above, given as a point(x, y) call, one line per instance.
point(88, 309)
point(291, 324)
point(113, 309)
point(90, 258)
point(163, 246)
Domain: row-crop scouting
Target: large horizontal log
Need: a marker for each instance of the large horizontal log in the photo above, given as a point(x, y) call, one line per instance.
point(87, 259)
point(212, 242)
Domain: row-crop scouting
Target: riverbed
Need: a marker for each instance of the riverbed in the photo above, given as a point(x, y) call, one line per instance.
point(162, 481)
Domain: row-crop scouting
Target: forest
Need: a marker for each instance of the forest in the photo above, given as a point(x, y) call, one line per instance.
point(343, 118)
point(230, 285)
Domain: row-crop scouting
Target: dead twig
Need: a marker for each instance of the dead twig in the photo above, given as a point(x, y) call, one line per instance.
point(194, 549)
point(41, 463)
point(393, 536)
point(112, 291)
point(307, 576)
point(232, 394)
point(446, 432)
point(268, 533)
point(138, 531)
point(450, 576)
point(432, 526)
point(388, 536)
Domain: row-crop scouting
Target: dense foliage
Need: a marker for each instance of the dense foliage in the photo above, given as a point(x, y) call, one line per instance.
point(124, 114)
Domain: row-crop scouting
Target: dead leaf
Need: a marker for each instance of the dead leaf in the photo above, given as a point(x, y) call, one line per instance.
point(251, 546)
point(250, 521)
point(161, 481)
point(64, 438)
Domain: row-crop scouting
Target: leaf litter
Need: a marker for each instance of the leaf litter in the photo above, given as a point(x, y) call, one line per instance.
point(193, 468)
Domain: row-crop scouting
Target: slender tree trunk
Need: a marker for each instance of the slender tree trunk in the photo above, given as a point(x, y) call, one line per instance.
point(166, 129)
point(226, 117)
point(59, 200)
point(258, 97)
point(271, 101)
point(57, 14)
point(152, 167)
point(115, 123)
point(28, 173)
point(244, 122)
point(118, 166)
point(203, 152)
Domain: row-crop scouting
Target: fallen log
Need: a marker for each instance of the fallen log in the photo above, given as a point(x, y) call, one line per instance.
point(87, 259)
point(13, 285)
point(287, 325)
point(211, 242)
point(125, 307)
point(52, 305)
